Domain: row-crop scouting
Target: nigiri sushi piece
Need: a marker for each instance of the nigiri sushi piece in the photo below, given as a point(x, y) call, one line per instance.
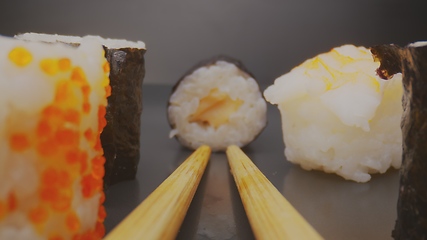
point(217, 103)
point(339, 116)
point(121, 137)
point(52, 106)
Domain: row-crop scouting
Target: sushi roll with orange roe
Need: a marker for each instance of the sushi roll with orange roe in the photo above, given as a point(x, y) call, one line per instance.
point(121, 136)
point(52, 108)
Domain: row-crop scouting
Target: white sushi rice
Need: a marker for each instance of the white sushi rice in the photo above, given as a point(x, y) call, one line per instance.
point(339, 116)
point(418, 44)
point(25, 91)
point(242, 126)
point(110, 43)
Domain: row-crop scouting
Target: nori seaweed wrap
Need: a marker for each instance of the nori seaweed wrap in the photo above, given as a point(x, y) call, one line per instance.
point(120, 139)
point(411, 61)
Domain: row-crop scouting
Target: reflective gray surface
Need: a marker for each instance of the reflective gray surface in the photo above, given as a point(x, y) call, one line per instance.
point(338, 209)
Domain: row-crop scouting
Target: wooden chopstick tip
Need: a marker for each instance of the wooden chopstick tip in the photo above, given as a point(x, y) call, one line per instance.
point(232, 148)
point(204, 148)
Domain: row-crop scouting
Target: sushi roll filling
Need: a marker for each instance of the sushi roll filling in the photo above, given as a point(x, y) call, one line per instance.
point(215, 109)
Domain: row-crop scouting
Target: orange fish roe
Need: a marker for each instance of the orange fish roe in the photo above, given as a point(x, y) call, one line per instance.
point(86, 91)
point(98, 171)
point(108, 90)
point(86, 107)
point(98, 145)
point(50, 177)
point(100, 229)
point(38, 215)
point(51, 111)
point(19, 142)
point(60, 145)
point(83, 163)
point(88, 134)
point(49, 194)
point(49, 66)
point(106, 67)
point(64, 180)
point(102, 122)
point(3, 209)
point(64, 64)
point(55, 237)
point(102, 198)
point(64, 91)
point(78, 75)
point(47, 148)
point(72, 157)
point(101, 213)
point(90, 186)
point(99, 161)
point(72, 222)
point(20, 56)
point(62, 203)
point(67, 137)
point(12, 202)
point(54, 189)
point(72, 116)
point(43, 129)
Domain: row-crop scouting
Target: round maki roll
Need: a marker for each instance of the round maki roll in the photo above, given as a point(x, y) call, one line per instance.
point(217, 103)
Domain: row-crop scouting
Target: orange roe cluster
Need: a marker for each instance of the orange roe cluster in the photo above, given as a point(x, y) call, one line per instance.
point(67, 151)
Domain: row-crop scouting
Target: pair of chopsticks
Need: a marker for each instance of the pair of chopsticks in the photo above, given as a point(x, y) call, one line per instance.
point(161, 214)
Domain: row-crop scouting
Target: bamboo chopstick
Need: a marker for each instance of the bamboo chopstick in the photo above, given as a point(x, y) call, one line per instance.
point(161, 214)
point(271, 216)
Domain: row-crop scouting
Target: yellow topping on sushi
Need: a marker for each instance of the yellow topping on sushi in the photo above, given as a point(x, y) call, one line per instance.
point(53, 66)
point(334, 104)
point(106, 67)
point(78, 75)
point(64, 64)
point(49, 66)
point(20, 56)
point(336, 68)
point(215, 109)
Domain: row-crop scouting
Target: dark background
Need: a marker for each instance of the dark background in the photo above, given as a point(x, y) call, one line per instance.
point(269, 36)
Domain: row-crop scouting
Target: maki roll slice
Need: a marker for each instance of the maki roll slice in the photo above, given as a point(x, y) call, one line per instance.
point(121, 137)
point(411, 61)
point(217, 103)
point(52, 106)
point(338, 116)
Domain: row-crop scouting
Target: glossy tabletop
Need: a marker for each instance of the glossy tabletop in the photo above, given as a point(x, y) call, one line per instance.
point(336, 208)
